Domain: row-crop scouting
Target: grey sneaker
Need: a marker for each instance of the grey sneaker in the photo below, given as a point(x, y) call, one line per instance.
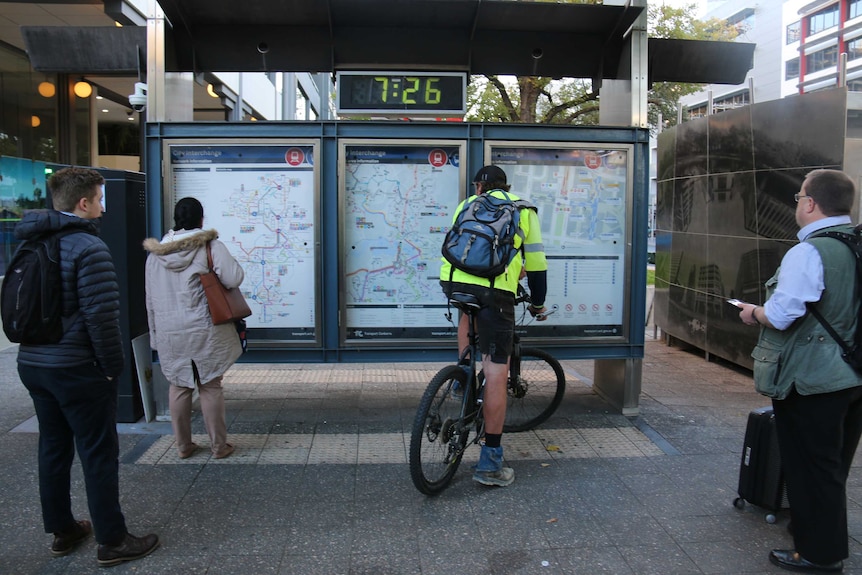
point(500, 478)
point(490, 469)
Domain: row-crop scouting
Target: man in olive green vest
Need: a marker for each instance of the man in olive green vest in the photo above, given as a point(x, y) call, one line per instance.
point(816, 396)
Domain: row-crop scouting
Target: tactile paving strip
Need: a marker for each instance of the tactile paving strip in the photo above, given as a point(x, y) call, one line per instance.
point(376, 448)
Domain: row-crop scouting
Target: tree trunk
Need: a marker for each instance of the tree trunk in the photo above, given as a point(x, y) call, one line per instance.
point(530, 92)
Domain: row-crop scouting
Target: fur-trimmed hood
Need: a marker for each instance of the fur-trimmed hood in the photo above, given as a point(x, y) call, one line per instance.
point(177, 250)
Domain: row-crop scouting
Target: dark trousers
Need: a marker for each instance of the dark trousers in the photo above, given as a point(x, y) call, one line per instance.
point(77, 407)
point(817, 437)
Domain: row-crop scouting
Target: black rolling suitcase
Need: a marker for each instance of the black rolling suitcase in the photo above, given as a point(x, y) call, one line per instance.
point(761, 481)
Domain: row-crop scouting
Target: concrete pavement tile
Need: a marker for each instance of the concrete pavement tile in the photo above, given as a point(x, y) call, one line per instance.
point(660, 560)
point(310, 563)
point(391, 563)
point(730, 557)
point(261, 564)
point(635, 530)
point(563, 530)
point(255, 540)
point(592, 560)
point(249, 427)
point(313, 541)
point(715, 528)
point(439, 560)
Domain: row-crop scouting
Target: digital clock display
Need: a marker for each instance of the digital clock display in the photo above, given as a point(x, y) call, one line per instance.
point(404, 93)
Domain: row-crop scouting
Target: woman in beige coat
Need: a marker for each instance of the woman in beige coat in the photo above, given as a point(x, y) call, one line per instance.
point(192, 351)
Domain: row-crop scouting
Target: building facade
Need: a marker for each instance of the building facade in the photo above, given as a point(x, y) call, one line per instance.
point(815, 35)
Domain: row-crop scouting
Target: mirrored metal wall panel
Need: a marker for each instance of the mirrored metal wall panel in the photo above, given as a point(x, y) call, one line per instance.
point(691, 149)
point(731, 226)
point(807, 130)
point(730, 141)
point(683, 321)
point(583, 194)
point(666, 155)
point(397, 200)
point(732, 259)
point(689, 204)
point(730, 199)
point(262, 198)
point(776, 209)
point(664, 205)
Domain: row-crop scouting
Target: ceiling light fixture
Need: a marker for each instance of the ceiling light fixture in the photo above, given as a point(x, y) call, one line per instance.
point(35, 121)
point(83, 89)
point(46, 89)
point(211, 91)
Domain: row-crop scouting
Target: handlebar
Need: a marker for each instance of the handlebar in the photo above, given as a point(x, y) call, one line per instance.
point(523, 296)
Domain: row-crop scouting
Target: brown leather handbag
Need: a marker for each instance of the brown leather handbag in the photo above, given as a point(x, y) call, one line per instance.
point(226, 305)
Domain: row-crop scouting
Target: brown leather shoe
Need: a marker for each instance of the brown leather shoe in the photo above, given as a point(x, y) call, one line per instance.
point(66, 541)
point(130, 549)
point(225, 451)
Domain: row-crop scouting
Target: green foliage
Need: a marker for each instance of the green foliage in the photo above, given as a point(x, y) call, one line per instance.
point(573, 101)
point(34, 203)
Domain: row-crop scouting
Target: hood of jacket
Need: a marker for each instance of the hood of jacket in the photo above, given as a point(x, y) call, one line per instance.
point(39, 222)
point(177, 249)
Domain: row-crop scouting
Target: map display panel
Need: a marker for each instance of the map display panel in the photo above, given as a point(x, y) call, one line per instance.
point(398, 203)
point(581, 194)
point(262, 201)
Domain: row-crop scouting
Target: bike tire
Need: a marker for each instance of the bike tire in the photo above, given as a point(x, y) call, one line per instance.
point(439, 435)
point(537, 394)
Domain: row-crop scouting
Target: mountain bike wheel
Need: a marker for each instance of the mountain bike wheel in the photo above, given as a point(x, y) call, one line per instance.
point(439, 434)
point(536, 393)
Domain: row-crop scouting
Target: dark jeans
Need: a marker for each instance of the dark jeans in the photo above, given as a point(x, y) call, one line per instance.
point(817, 437)
point(77, 407)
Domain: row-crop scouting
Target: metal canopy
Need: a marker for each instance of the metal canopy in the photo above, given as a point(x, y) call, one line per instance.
point(475, 36)
point(699, 61)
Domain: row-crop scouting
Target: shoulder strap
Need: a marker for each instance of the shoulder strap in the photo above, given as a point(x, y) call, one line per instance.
point(209, 257)
point(813, 309)
point(848, 240)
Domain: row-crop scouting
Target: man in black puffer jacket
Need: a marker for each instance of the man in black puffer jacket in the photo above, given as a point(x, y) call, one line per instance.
point(73, 382)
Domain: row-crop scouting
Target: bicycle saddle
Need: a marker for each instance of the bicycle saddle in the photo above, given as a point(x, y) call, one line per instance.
point(464, 301)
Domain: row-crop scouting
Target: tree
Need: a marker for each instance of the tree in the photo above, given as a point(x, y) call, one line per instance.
point(538, 99)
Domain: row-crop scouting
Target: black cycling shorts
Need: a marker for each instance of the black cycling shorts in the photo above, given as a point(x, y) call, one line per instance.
point(495, 322)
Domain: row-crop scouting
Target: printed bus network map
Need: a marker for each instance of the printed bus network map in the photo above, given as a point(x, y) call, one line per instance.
point(261, 201)
point(398, 203)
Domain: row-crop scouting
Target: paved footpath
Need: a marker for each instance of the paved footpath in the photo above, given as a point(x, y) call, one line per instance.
point(319, 482)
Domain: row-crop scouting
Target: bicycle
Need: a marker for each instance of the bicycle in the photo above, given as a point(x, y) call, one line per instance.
point(451, 406)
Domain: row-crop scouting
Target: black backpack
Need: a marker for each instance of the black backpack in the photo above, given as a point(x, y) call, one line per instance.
point(31, 299)
point(481, 241)
point(852, 354)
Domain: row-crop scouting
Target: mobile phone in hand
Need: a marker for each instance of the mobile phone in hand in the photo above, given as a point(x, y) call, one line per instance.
point(736, 302)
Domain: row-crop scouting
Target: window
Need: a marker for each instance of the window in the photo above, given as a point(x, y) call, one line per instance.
point(854, 49)
point(822, 60)
point(730, 102)
point(823, 20)
point(855, 9)
point(791, 69)
point(742, 20)
point(794, 32)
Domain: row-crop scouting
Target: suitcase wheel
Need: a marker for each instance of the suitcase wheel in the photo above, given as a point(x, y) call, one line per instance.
point(770, 518)
point(739, 503)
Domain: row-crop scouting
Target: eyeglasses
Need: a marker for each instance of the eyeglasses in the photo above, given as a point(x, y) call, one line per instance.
point(796, 197)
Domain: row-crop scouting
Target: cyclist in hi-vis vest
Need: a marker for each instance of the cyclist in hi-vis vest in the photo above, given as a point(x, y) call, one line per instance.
point(495, 322)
